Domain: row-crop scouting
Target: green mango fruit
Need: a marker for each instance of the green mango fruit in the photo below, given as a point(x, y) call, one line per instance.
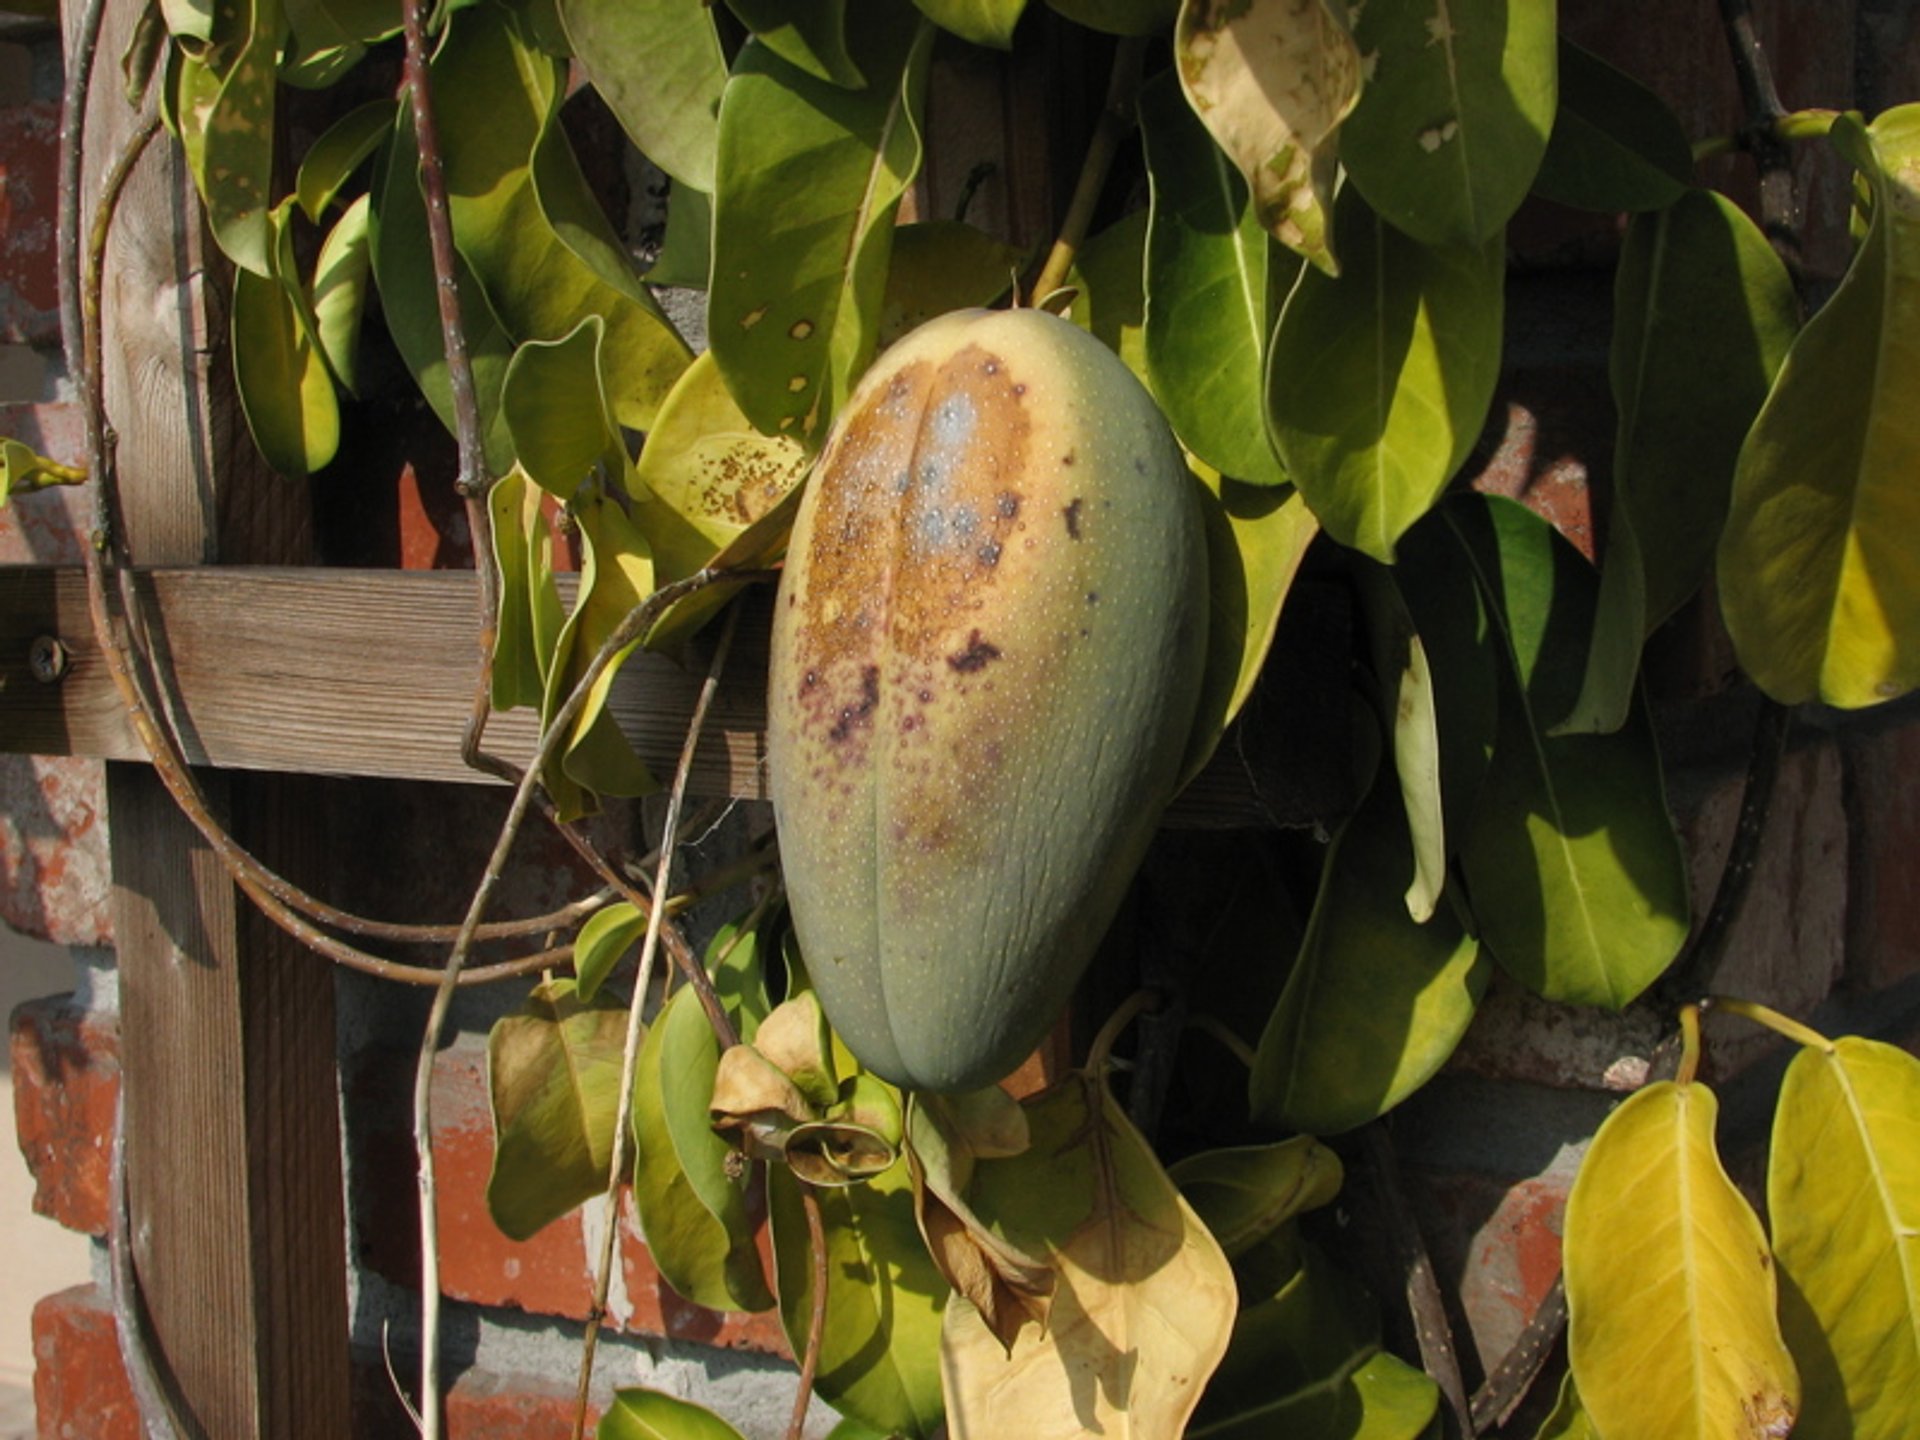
point(987, 650)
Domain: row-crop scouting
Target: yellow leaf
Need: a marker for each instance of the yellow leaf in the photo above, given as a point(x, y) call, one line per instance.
point(1843, 1188)
point(1144, 1302)
point(1670, 1285)
point(1272, 80)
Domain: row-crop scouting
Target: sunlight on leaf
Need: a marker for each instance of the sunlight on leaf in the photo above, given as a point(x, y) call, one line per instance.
point(1568, 1421)
point(652, 1415)
point(942, 265)
point(1144, 1302)
point(1819, 576)
point(606, 937)
point(810, 35)
point(340, 280)
point(224, 105)
point(659, 66)
point(1843, 1193)
point(22, 468)
point(984, 22)
point(1670, 1286)
point(1273, 80)
point(286, 390)
point(1410, 713)
point(529, 618)
point(553, 1071)
point(332, 159)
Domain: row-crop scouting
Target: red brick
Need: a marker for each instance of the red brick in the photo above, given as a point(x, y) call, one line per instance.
point(66, 1076)
point(55, 881)
point(29, 199)
point(483, 1405)
point(80, 1388)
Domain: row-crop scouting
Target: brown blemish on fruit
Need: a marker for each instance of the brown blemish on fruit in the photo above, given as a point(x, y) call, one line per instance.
point(858, 714)
point(979, 653)
point(1072, 513)
point(1069, 457)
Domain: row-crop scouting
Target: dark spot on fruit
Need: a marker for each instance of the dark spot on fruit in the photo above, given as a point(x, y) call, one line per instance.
point(910, 724)
point(990, 367)
point(1069, 457)
point(1008, 504)
point(1139, 465)
point(1020, 389)
point(1072, 512)
point(990, 553)
point(925, 697)
point(977, 656)
point(860, 712)
point(1093, 597)
point(810, 679)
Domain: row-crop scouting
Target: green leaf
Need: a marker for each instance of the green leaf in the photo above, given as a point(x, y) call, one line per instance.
point(340, 280)
point(1110, 302)
point(692, 1211)
point(1615, 145)
point(318, 52)
point(1120, 17)
point(608, 934)
point(659, 67)
point(188, 20)
point(225, 107)
point(23, 468)
point(942, 265)
point(526, 221)
point(810, 35)
point(1569, 1418)
point(331, 160)
point(1273, 80)
point(553, 1072)
point(1257, 537)
point(984, 22)
point(1454, 117)
point(1670, 1286)
point(285, 388)
point(879, 1356)
point(809, 178)
point(555, 405)
point(409, 299)
point(1578, 883)
point(1144, 1302)
point(1819, 576)
point(1843, 1191)
point(651, 1415)
point(530, 614)
point(1245, 1194)
point(1411, 716)
point(1211, 281)
point(1703, 312)
point(1307, 1361)
point(1378, 382)
point(686, 254)
point(1375, 1001)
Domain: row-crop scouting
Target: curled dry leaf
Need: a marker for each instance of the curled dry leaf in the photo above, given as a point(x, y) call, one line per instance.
point(794, 1040)
point(1273, 79)
point(755, 1105)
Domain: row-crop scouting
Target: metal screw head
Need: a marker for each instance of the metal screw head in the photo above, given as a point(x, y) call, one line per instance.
point(46, 659)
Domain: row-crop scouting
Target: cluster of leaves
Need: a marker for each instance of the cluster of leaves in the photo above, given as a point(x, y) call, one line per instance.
point(1314, 296)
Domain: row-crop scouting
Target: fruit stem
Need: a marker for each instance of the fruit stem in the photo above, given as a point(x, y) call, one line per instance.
point(1116, 119)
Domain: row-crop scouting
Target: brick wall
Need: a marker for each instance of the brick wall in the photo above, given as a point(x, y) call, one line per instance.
point(1832, 930)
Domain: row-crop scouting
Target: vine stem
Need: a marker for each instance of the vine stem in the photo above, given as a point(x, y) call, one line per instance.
point(1772, 1019)
point(1689, 1068)
point(817, 1315)
point(1100, 1053)
point(636, 1008)
point(631, 628)
point(1797, 125)
point(1116, 119)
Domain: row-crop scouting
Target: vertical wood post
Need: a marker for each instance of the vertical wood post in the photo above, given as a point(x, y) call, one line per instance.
point(228, 1047)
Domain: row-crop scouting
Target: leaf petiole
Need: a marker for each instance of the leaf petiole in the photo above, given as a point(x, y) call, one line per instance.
point(1773, 1020)
point(1797, 125)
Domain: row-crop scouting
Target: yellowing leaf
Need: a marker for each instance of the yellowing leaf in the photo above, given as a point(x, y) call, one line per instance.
point(1145, 1298)
point(1273, 79)
point(1819, 573)
point(651, 1415)
point(1670, 1285)
point(23, 468)
point(1843, 1190)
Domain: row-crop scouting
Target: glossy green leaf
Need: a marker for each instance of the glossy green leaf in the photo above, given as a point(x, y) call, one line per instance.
point(1615, 145)
point(285, 388)
point(369, 21)
point(1453, 120)
point(553, 1071)
point(1257, 537)
point(1819, 575)
point(1568, 1420)
point(340, 279)
point(188, 20)
point(810, 176)
point(1410, 713)
point(810, 35)
point(1578, 882)
point(331, 160)
point(880, 1355)
point(1109, 299)
point(1145, 1299)
point(22, 468)
point(1246, 1193)
point(318, 51)
point(1273, 80)
point(984, 22)
point(652, 1415)
point(1378, 382)
point(1703, 313)
point(658, 65)
point(225, 107)
point(1211, 281)
point(942, 265)
point(1670, 1285)
point(686, 254)
point(608, 934)
point(1375, 1001)
point(1120, 17)
point(692, 1211)
point(1307, 1361)
point(530, 612)
point(409, 299)
point(555, 404)
point(1843, 1192)
point(526, 221)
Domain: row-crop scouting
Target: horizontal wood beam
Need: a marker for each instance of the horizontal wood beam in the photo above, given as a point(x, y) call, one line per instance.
point(321, 671)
